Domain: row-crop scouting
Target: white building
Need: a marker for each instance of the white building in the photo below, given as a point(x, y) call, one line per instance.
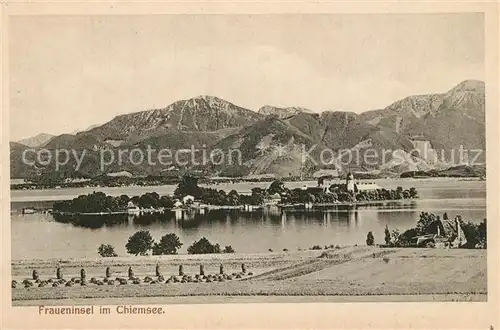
point(365, 186)
point(350, 182)
point(187, 199)
point(274, 199)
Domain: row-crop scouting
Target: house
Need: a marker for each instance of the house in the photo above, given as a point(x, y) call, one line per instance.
point(366, 186)
point(447, 232)
point(325, 182)
point(452, 230)
point(274, 199)
point(132, 208)
point(120, 174)
point(355, 186)
point(188, 199)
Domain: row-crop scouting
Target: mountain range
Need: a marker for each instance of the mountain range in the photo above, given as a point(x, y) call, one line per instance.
point(273, 139)
point(37, 140)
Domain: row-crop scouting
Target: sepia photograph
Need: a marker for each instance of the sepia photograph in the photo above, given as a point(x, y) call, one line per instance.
point(246, 158)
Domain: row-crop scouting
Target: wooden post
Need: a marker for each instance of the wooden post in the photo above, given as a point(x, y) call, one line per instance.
point(221, 270)
point(108, 272)
point(243, 268)
point(130, 272)
point(35, 275)
point(202, 270)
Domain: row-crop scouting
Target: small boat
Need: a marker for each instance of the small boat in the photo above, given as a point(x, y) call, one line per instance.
point(28, 210)
point(133, 210)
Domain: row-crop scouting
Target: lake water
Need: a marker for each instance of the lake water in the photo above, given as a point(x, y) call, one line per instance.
point(43, 236)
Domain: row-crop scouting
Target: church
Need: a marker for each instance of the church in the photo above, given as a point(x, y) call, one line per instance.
point(350, 184)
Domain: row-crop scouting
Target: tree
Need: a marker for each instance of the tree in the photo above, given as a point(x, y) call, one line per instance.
point(95, 202)
point(387, 235)
point(425, 222)
point(233, 198)
point(188, 186)
point(140, 243)
point(395, 236)
point(169, 244)
point(482, 233)
point(471, 232)
point(203, 246)
point(106, 250)
point(123, 200)
point(276, 187)
point(228, 249)
point(398, 194)
point(370, 239)
point(257, 197)
point(166, 201)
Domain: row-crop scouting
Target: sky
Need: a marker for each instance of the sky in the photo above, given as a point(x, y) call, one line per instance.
point(70, 72)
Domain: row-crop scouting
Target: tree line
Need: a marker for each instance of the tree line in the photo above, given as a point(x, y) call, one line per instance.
point(100, 202)
point(142, 243)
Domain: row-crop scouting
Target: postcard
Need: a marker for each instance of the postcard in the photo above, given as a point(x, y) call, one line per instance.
point(250, 165)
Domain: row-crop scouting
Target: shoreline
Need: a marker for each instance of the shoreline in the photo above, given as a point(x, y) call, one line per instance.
point(209, 207)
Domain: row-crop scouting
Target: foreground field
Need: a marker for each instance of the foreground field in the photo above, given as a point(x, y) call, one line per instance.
point(347, 274)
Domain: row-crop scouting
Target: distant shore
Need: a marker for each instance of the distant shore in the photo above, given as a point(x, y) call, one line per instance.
point(50, 195)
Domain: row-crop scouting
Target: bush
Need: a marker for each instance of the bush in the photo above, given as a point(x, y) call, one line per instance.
point(324, 254)
point(106, 250)
point(169, 244)
point(203, 246)
point(406, 237)
point(315, 247)
point(228, 249)
point(475, 234)
point(370, 239)
point(140, 243)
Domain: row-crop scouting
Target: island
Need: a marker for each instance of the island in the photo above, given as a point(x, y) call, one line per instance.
point(189, 195)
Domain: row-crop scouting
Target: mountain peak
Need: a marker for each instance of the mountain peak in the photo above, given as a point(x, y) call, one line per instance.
point(37, 140)
point(206, 97)
point(469, 85)
point(282, 112)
